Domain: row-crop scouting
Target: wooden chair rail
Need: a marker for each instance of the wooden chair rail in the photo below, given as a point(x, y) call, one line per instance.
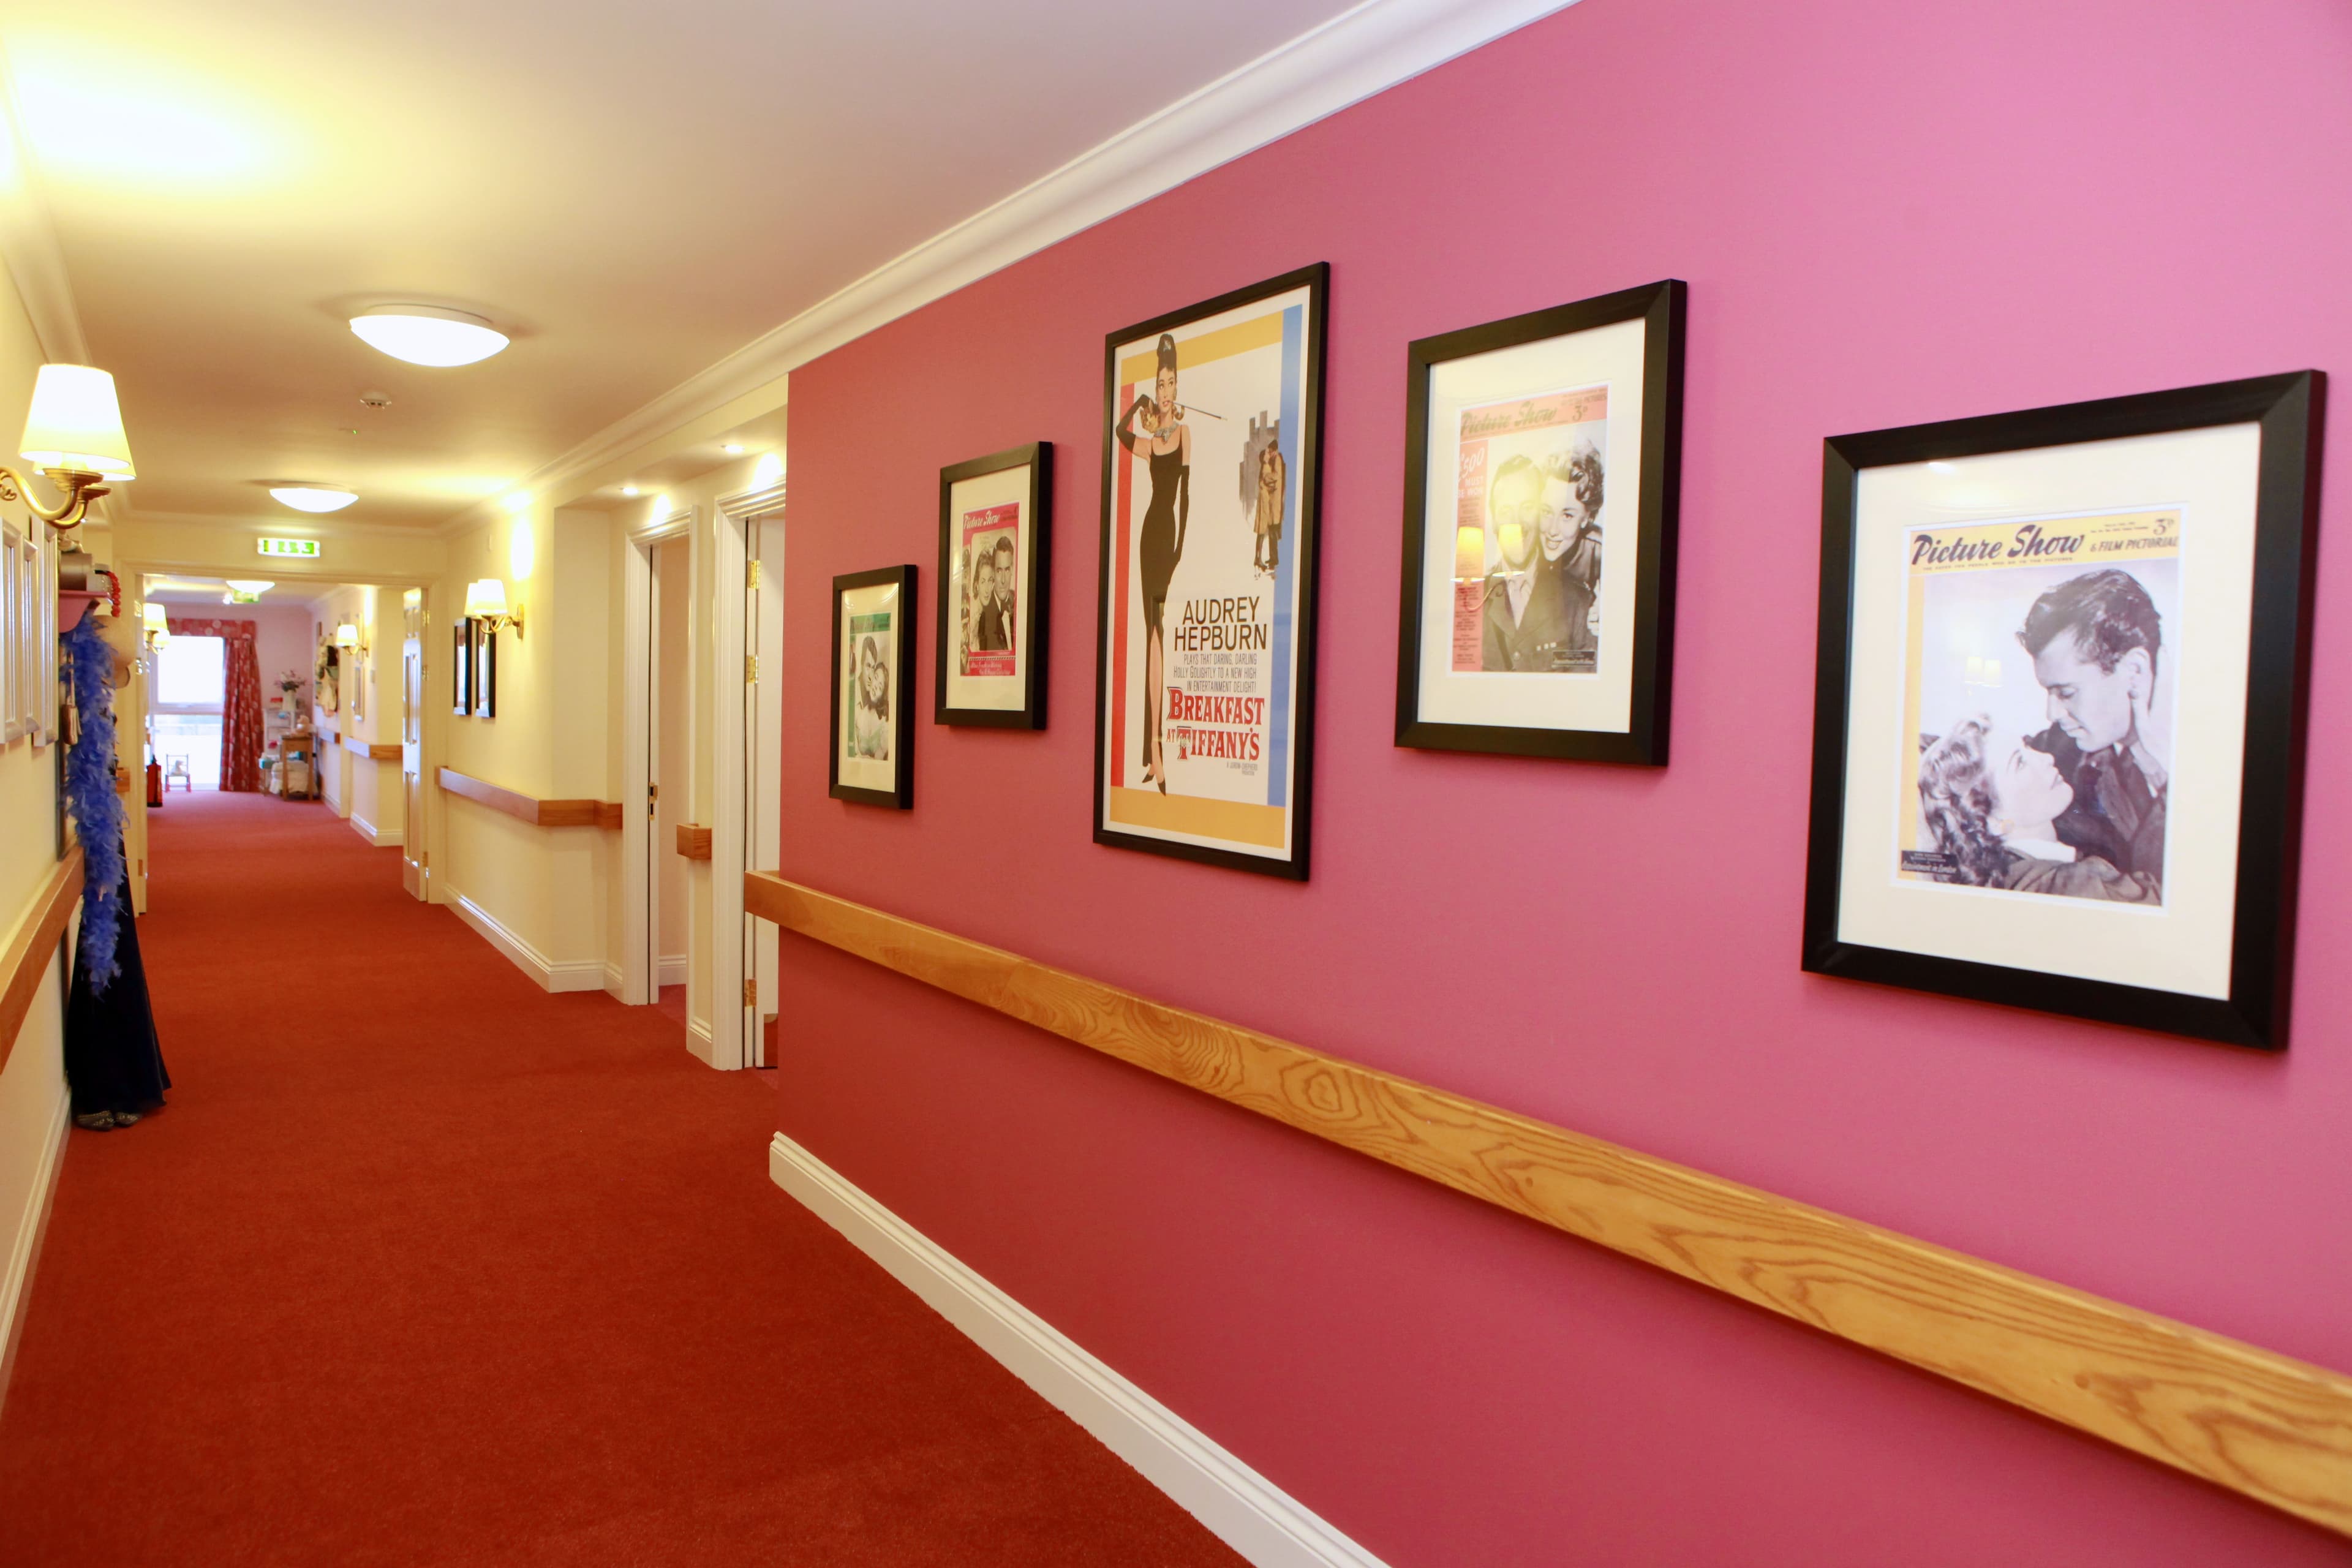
point(530, 808)
point(374, 751)
point(2275, 1429)
point(693, 842)
point(27, 957)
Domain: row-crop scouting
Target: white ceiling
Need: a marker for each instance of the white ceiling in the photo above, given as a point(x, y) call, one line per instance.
point(633, 191)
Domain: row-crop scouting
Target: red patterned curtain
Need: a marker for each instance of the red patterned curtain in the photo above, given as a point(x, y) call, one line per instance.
point(240, 760)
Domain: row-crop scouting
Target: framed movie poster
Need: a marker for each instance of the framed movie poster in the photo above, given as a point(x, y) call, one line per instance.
point(994, 551)
point(486, 669)
point(1543, 457)
point(1204, 673)
point(2060, 701)
point(461, 667)
point(873, 722)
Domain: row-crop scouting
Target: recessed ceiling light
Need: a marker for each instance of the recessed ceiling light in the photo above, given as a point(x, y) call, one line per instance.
point(251, 585)
point(733, 448)
point(628, 489)
point(312, 498)
point(427, 335)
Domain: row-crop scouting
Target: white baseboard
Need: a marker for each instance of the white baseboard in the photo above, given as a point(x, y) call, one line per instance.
point(25, 1252)
point(672, 970)
point(380, 837)
point(699, 1041)
point(613, 984)
point(571, 974)
point(1240, 1507)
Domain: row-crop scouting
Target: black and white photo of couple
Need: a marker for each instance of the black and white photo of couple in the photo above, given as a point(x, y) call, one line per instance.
point(2077, 808)
point(1541, 609)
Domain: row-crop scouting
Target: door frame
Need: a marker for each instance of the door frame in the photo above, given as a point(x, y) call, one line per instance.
point(134, 571)
point(730, 812)
point(640, 976)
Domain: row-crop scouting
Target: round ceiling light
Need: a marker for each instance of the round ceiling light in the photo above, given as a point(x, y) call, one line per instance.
point(312, 498)
point(427, 335)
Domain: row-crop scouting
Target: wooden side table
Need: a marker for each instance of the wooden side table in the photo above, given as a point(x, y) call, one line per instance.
point(303, 744)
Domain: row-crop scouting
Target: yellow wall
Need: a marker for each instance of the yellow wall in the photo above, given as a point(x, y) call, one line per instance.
point(362, 790)
point(32, 1086)
point(543, 887)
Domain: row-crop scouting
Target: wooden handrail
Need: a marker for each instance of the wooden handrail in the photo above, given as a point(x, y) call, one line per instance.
point(374, 750)
point(693, 842)
point(2275, 1429)
point(530, 808)
point(35, 942)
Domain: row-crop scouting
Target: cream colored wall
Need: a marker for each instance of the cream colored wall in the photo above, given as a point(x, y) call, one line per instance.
point(365, 791)
point(32, 1085)
point(554, 891)
point(543, 886)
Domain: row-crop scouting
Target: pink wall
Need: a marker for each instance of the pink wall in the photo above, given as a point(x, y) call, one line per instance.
point(1887, 213)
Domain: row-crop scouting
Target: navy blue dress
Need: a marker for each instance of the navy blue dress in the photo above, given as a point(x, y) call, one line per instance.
point(113, 1060)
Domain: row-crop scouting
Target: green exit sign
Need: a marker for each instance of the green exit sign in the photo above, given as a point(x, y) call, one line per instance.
point(303, 547)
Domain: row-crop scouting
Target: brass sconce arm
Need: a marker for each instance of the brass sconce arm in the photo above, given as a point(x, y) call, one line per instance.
point(81, 488)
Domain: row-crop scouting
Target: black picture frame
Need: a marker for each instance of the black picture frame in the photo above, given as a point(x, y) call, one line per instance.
point(1662, 307)
point(2289, 410)
point(486, 669)
point(461, 667)
point(902, 715)
point(1037, 511)
point(1316, 280)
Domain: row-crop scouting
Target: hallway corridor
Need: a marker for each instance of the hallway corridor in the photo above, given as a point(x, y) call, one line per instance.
point(422, 1265)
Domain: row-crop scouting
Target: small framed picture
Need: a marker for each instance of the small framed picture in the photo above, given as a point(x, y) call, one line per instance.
point(2059, 706)
point(1543, 455)
point(994, 553)
point(485, 671)
point(461, 667)
point(873, 724)
point(1204, 671)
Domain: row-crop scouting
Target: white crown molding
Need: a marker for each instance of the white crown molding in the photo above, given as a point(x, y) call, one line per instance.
point(310, 525)
point(1265, 1525)
point(1360, 52)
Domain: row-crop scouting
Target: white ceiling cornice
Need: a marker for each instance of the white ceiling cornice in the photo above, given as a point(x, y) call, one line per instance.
point(1359, 53)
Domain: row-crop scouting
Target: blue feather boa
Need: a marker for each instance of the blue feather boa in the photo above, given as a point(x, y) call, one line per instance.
point(90, 797)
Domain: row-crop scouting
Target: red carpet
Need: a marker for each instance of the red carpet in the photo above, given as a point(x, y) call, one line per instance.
point(426, 1266)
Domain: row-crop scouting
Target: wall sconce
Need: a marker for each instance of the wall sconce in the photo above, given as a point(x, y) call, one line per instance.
point(74, 439)
point(486, 601)
point(156, 622)
point(348, 637)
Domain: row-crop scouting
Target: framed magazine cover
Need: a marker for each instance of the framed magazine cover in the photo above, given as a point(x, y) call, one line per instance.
point(2059, 711)
point(461, 667)
point(486, 669)
point(995, 549)
point(1528, 442)
point(873, 729)
point(1204, 671)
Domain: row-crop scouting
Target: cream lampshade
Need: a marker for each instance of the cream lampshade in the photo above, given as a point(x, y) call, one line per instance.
point(76, 424)
point(486, 601)
point(347, 635)
point(155, 621)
